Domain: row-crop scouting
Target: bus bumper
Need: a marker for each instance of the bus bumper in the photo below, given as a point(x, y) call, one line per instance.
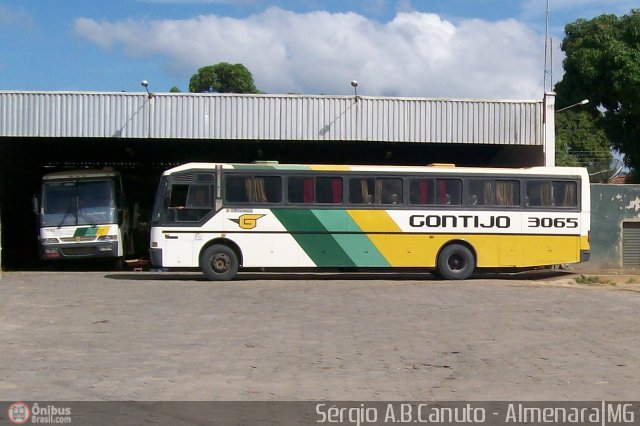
point(79, 251)
point(585, 255)
point(155, 255)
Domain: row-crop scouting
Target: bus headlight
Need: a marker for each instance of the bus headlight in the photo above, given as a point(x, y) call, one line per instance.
point(108, 238)
point(50, 241)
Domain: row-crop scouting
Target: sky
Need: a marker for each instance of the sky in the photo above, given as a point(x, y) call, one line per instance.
point(469, 49)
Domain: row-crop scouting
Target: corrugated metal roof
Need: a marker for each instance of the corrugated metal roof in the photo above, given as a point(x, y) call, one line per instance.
point(270, 117)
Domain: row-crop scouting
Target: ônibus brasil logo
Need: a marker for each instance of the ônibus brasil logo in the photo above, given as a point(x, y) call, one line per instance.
point(19, 413)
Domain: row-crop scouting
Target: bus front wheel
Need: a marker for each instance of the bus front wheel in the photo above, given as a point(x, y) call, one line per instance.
point(219, 263)
point(455, 262)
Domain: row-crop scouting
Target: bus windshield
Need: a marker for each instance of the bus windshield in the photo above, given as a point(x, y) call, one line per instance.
point(159, 204)
point(69, 203)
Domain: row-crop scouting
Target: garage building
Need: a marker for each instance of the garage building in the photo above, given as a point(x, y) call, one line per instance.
point(143, 134)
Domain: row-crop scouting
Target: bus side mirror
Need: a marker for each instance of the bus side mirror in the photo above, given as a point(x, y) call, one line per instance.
point(34, 202)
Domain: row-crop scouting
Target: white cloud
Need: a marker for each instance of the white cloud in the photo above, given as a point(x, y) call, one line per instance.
point(415, 54)
point(15, 17)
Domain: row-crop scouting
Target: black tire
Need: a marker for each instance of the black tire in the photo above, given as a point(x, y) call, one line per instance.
point(456, 262)
point(219, 263)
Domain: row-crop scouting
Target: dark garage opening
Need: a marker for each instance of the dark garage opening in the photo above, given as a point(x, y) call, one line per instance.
point(23, 162)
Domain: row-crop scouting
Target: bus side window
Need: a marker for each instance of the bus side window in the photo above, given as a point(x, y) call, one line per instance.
point(200, 196)
point(494, 192)
point(481, 191)
point(329, 190)
point(178, 195)
point(190, 203)
point(539, 193)
point(559, 194)
point(300, 190)
point(421, 191)
point(235, 189)
point(449, 192)
point(253, 189)
point(507, 192)
point(565, 194)
point(268, 189)
point(361, 190)
point(388, 191)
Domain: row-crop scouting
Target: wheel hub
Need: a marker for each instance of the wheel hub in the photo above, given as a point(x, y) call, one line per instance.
point(220, 262)
point(456, 263)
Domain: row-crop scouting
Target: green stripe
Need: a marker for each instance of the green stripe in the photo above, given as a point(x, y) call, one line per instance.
point(270, 167)
point(85, 232)
point(310, 233)
point(253, 167)
point(358, 247)
point(320, 233)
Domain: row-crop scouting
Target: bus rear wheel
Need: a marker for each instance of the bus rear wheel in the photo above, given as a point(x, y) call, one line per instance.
point(456, 262)
point(219, 263)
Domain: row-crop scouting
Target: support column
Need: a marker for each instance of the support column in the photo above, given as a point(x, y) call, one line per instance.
point(0, 238)
point(549, 128)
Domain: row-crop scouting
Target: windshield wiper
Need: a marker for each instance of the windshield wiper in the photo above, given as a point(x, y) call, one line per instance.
point(69, 209)
point(88, 217)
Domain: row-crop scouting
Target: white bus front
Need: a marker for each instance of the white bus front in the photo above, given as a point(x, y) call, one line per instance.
point(79, 218)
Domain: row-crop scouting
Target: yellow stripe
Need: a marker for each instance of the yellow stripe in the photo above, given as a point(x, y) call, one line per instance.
point(374, 221)
point(103, 230)
point(328, 167)
point(420, 250)
point(397, 248)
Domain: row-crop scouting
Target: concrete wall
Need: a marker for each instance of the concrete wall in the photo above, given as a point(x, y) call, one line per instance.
point(611, 205)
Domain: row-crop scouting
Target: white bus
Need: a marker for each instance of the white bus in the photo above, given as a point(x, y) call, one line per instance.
point(451, 220)
point(82, 214)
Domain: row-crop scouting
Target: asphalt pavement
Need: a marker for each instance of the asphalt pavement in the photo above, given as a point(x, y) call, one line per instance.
point(168, 336)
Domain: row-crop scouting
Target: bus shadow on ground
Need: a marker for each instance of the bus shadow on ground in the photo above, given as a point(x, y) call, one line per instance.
point(338, 276)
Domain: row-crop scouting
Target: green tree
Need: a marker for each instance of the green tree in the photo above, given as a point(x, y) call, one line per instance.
point(580, 138)
point(174, 89)
point(603, 64)
point(222, 78)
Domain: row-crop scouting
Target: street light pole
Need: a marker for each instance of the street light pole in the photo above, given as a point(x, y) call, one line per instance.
point(582, 102)
point(150, 96)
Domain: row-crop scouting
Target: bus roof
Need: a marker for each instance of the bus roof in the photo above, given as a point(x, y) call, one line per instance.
point(440, 168)
point(81, 174)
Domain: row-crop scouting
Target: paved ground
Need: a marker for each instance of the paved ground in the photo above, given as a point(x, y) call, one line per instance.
point(161, 336)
